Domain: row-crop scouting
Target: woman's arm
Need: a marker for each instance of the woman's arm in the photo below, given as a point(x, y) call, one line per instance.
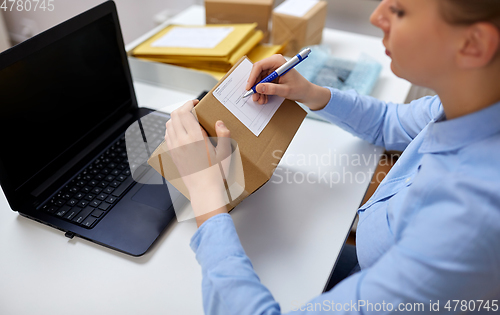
point(229, 285)
point(438, 256)
point(392, 126)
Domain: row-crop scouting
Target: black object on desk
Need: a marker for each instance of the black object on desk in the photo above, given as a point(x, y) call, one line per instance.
point(67, 102)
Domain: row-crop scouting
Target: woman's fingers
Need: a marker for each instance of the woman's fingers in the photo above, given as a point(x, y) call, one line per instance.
point(170, 133)
point(223, 141)
point(265, 65)
point(255, 97)
point(263, 99)
point(273, 89)
point(254, 75)
point(182, 127)
point(177, 123)
point(203, 132)
point(168, 141)
point(189, 121)
point(185, 125)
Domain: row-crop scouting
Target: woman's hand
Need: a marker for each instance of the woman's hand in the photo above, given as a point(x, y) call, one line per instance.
point(292, 85)
point(198, 161)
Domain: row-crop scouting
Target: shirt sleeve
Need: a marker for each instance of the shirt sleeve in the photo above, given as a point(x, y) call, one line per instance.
point(231, 286)
point(392, 126)
point(229, 283)
point(438, 257)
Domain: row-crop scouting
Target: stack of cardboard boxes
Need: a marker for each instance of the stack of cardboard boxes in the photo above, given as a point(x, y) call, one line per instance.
point(300, 28)
point(298, 25)
point(240, 11)
point(295, 28)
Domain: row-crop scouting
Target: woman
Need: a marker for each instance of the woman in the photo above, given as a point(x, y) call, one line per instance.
point(431, 232)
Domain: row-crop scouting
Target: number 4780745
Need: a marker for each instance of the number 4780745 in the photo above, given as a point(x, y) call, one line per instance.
point(27, 5)
point(472, 305)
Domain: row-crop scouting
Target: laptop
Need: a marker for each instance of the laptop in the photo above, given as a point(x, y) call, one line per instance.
point(68, 118)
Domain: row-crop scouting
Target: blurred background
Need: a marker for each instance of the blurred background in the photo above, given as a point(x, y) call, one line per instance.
point(138, 17)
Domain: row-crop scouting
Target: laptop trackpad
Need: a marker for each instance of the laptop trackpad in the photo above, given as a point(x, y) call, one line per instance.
point(154, 194)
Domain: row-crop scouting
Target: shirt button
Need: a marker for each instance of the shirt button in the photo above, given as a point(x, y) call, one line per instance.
point(408, 180)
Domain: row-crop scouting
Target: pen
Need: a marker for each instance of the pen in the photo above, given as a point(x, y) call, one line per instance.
point(282, 70)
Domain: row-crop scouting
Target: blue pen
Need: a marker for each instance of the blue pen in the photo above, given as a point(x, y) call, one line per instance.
point(282, 70)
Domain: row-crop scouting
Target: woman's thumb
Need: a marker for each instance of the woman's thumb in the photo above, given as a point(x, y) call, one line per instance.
point(221, 129)
point(223, 148)
point(272, 89)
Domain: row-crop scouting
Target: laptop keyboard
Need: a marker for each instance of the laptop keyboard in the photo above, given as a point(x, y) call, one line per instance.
point(87, 198)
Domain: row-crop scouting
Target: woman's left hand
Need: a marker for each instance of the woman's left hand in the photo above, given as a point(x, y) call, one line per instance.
point(197, 160)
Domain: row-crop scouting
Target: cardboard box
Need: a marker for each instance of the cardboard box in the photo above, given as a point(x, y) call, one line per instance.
point(240, 11)
point(258, 156)
point(299, 31)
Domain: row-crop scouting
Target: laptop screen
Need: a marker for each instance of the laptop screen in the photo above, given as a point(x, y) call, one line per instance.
point(56, 96)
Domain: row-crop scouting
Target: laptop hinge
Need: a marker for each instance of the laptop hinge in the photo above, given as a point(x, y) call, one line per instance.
point(69, 234)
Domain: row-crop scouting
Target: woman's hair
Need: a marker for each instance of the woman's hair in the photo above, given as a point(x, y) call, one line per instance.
point(470, 11)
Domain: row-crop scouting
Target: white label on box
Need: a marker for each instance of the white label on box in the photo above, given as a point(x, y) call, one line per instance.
point(193, 37)
point(296, 7)
point(230, 93)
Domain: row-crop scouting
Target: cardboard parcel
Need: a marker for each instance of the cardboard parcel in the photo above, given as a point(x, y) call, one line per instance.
point(240, 11)
point(299, 31)
point(259, 155)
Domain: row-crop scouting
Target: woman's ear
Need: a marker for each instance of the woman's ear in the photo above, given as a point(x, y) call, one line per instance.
point(480, 45)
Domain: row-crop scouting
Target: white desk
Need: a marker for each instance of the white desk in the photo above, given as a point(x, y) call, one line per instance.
point(292, 232)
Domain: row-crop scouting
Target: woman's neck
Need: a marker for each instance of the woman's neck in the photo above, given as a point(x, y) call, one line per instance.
point(466, 93)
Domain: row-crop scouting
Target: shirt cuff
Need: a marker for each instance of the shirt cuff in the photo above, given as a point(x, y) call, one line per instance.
point(215, 240)
point(340, 106)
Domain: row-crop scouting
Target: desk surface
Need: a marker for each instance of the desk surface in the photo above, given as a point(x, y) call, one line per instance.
point(292, 229)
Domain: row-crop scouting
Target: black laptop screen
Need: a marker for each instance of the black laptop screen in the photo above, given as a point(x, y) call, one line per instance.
point(56, 96)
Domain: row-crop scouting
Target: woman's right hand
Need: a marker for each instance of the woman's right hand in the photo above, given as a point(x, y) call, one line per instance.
point(291, 86)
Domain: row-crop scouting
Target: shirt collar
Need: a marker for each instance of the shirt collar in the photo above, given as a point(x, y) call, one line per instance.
point(447, 135)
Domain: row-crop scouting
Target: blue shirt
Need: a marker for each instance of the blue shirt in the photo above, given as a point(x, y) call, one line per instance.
point(431, 231)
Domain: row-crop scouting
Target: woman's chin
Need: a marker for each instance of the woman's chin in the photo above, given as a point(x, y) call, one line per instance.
point(396, 71)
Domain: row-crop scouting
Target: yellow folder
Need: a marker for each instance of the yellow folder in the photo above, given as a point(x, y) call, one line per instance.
point(243, 40)
point(257, 53)
point(249, 43)
point(222, 51)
